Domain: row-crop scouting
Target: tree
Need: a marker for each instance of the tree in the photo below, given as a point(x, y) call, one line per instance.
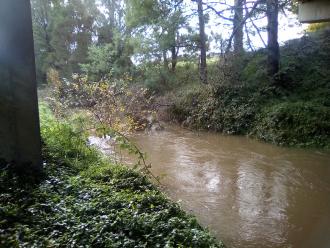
point(202, 42)
point(83, 16)
point(273, 55)
point(238, 26)
point(159, 24)
point(238, 21)
point(106, 61)
point(41, 17)
point(63, 31)
point(113, 22)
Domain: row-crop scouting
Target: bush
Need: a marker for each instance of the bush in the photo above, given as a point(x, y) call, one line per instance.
point(116, 103)
point(65, 143)
point(229, 109)
point(294, 123)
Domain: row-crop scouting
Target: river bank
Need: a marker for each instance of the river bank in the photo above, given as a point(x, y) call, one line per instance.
point(85, 200)
point(294, 112)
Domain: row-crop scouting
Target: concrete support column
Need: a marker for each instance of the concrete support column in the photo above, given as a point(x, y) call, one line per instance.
point(314, 11)
point(19, 119)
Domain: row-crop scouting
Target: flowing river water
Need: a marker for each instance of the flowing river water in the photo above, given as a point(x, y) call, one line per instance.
point(248, 193)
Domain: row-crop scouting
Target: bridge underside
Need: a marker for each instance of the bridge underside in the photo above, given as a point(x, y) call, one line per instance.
point(314, 11)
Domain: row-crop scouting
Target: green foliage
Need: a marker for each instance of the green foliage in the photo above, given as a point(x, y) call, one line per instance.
point(140, 14)
point(294, 123)
point(109, 60)
point(254, 72)
point(230, 109)
point(64, 142)
point(63, 32)
point(304, 61)
point(86, 201)
point(158, 32)
point(294, 113)
point(314, 27)
point(156, 78)
point(159, 79)
point(186, 73)
point(114, 104)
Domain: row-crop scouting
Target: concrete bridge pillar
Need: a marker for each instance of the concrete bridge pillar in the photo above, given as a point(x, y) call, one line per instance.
point(19, 119)
point(314, 11)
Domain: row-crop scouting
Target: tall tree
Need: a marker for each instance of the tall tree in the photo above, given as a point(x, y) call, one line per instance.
point(83, 17)
point(63, 31)
point(202, 42)
point(113, 22)
point(110, 54)
point(273, 60)
point(160, 22)
point(41, 17)
point(238, 26)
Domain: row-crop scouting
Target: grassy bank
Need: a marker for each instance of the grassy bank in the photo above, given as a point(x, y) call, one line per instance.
point(241, 100)
point(85, 201)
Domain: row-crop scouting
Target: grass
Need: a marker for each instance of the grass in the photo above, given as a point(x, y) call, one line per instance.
point(85, 201)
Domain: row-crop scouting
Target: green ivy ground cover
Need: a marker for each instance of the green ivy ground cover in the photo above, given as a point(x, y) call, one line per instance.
point(82, 200)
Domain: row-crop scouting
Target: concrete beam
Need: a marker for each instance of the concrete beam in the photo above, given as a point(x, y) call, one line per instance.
point(19, 118)
point(314, 11)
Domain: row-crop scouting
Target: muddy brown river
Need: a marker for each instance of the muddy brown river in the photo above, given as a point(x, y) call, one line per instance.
point(248, 193)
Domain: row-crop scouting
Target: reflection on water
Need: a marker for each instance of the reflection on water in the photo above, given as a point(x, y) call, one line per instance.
point(248, 193)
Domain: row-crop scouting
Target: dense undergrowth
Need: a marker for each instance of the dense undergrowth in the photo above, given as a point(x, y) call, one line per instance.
point(84, 200)
point(293, 112)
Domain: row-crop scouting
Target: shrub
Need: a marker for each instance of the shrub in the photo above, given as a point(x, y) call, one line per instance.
point(64, 142)
point(226, 108)
point(115, 104)
point(294, 123)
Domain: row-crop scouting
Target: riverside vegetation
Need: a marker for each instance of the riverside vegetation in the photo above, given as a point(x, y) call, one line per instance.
point(276, 96)
point(83, 200)
point(116, 67)
point(294, 111)
point(240, 98)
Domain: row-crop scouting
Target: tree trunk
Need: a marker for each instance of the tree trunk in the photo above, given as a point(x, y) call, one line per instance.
point(165, 60)
point(174, 58)
point(273, 59)
point(238, 18)
point(203, 66)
